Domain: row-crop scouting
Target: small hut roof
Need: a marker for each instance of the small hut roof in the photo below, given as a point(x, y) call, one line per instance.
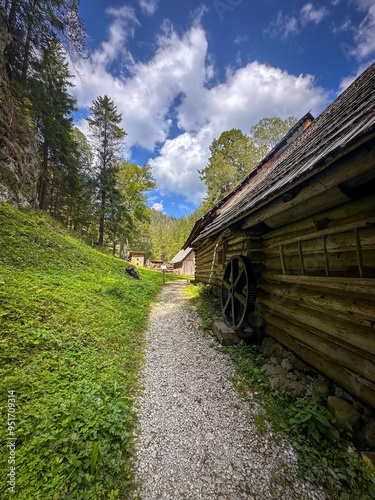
point(181, 255)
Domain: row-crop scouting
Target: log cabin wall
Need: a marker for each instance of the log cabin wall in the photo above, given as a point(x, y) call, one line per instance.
point(316, 288)
point(213, 255)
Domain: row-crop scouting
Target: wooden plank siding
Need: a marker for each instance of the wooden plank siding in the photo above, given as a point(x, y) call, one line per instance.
point(188, 265)
point(316, 288)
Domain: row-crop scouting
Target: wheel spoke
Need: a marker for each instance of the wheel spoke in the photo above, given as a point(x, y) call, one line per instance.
point(238, 278)
point(241, 298)
point(227, 284)
point(237, 312)
point(227, 303)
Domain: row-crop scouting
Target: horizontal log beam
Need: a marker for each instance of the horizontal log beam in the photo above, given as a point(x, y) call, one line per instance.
point(349, 308)
point(361, 287)
point(356, 360)
point(353, 211)
point(341, 330)
point(353, 383)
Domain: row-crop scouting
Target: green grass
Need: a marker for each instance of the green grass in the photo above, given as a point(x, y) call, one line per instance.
point(204, 302)
point(72, 334)
point(323, 454)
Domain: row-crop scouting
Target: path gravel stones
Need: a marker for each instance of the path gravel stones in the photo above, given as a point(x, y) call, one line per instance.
point(198, 439)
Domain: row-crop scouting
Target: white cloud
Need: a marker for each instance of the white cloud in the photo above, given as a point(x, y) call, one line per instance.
point(364, 40)
point(250, 93)
point(120, 29)
point(309, 14)
point(148, 6)
point(344, 26)
point(365, 34)
point(175, 169)
point(289, 25)
point(240, 38)
point(364, 4)
point(171, 88)
point(158, 206)
point(147, 94)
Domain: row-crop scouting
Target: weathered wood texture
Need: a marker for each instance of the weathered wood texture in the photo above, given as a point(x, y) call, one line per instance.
point(316, 289)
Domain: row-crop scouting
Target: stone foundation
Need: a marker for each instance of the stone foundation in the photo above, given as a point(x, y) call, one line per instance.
point(288, 372)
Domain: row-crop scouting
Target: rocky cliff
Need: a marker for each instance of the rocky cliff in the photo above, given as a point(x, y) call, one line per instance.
point(19, 164)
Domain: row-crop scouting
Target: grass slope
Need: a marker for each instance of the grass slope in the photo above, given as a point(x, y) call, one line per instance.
point(71, 337)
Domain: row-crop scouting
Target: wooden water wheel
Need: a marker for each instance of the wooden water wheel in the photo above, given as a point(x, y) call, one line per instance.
point(238, 294)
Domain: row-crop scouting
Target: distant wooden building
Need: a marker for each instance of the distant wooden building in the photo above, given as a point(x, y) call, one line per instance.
point(155, 265)
point(291, 249)
point(137, 258)
point(184, 262)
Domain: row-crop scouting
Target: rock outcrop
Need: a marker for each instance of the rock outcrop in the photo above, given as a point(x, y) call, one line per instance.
point(19, 165)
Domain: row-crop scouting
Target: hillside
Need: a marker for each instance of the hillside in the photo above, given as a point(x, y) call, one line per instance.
point(169, 234)
point(71, 338)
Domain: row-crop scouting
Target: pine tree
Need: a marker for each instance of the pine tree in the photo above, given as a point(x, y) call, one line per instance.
point(52, 108)
point(80, 202)
point(107, 141)
point(34, 24)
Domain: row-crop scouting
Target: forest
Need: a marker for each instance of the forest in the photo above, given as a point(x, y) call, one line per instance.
point(86, 182)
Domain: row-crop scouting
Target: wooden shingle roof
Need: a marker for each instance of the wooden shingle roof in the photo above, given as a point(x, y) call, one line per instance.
point(344, 122)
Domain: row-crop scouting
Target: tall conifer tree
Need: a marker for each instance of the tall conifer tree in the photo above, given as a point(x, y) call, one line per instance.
point(107, 142)
point(52, 109)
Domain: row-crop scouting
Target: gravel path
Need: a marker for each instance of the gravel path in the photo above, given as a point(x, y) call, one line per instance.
point(198, 439)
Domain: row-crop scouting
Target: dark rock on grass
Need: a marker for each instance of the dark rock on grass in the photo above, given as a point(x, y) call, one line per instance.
point(369, 434)
point(346, 416)
point(278, 378)
point(320, 387)
point(369, 458)
point(133, 271)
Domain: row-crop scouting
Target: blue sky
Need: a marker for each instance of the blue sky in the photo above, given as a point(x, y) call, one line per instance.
point(183, 71)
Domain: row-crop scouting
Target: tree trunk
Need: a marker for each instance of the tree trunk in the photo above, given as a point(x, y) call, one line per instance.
point(51, 192)
point(101, 221)
point(126, 250)
point(122, 252)
point(114, 249)
point(43, 179)
point(56, 204)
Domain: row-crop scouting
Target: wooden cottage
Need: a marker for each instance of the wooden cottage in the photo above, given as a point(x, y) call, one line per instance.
point(291, 249)
point(184, 262)
point(137, 258)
